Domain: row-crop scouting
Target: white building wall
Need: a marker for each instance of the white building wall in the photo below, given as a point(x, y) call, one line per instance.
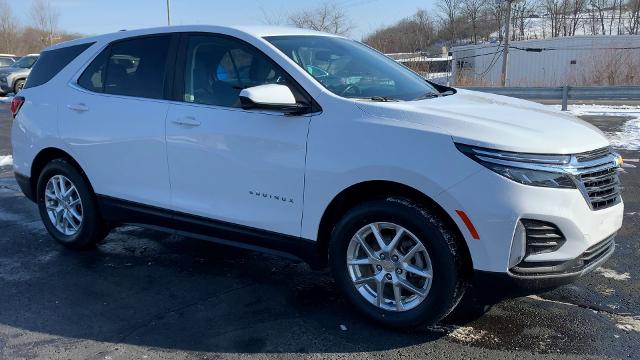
point(596, 62)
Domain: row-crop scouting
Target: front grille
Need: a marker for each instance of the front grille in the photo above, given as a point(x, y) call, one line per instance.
point(601, 186)
point(542, 237)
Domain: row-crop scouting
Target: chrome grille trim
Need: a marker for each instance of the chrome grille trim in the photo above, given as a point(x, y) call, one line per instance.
point(594, 154)
point(597, 179)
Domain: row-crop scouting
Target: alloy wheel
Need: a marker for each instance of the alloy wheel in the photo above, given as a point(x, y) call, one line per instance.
point(64, 205)
point(389, 266)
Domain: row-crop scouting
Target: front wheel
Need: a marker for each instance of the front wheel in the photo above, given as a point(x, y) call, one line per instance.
point(68, 207)
point(397, 262)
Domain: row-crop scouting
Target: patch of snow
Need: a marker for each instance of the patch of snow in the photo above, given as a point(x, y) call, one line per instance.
point(603, 110)
point(465, 334)
point(539, 298)
point(6, 160)
point(628, 138)
point(612, 274)
point(626, 322)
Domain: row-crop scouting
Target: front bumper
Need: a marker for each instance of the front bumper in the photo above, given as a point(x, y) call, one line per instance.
point(495, 205)
point(518, 281)
point(24, 182)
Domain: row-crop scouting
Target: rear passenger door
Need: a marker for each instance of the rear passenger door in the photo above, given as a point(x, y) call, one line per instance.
point(113, 119)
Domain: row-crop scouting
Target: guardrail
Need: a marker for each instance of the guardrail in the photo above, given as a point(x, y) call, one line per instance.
point(566, 93)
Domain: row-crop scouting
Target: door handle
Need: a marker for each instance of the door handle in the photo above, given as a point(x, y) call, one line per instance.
point(187, 121)
point(78, 107)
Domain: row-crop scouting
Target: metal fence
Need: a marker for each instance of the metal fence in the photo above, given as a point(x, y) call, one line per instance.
point(566, 93)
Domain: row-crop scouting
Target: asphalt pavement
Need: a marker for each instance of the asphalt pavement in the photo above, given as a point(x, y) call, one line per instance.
point(144, 294)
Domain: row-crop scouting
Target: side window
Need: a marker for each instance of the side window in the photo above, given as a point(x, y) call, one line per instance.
point(217, 69)
point(134, 67)
point(51, 62)
point(93, 76)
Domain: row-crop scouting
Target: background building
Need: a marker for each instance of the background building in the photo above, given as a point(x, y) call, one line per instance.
point(577, 60)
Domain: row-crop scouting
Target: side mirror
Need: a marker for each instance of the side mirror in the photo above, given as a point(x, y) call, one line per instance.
point(271, 97)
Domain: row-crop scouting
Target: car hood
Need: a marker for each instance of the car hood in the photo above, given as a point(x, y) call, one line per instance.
point(10, 70)
point(495, 121)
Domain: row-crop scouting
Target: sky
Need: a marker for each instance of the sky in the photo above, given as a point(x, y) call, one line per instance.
point(94, 17)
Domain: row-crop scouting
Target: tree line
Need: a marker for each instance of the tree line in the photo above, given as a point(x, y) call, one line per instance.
point(473, 21)
point(40, 29)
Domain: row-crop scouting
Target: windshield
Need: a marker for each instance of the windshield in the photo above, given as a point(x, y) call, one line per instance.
point(353, 70)
point(25, 62)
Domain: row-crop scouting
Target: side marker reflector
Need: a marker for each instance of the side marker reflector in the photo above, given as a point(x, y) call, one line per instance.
point(469, 224)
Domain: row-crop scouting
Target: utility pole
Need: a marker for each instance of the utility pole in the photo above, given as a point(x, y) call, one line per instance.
point(505, 52)
point(169, 12)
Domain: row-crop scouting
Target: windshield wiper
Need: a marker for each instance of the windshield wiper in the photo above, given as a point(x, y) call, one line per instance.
point(431, 95)
point(428, 95)
point(382, 99)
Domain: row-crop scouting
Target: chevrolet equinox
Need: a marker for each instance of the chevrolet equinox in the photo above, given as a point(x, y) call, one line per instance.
point(314, 146)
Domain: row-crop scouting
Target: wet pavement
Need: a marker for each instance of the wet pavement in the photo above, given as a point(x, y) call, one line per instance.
point(145, 294)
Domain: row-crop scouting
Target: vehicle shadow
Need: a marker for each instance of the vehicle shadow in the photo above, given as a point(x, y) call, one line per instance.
point(147, 288)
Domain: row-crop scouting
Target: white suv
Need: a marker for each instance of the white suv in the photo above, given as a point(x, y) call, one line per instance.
point(314, 146)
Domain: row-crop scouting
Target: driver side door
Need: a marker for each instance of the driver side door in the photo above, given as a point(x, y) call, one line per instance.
point(226, 163)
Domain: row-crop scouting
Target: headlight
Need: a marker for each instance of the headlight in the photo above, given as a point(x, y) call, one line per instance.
point(529, 169)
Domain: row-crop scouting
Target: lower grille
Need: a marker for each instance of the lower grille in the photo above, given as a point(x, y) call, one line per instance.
point(596, 251)
point(542, 237)
point(593, 255)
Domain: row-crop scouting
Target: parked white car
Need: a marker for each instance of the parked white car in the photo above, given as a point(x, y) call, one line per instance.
point(315, 146)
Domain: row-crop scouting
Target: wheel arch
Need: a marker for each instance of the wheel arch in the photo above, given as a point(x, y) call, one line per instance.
point(15, 81)
point(379, 190)
point(44, 157)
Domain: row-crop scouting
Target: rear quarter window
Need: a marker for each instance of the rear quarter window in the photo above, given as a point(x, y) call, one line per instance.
point(131, 67)
point(51, 62)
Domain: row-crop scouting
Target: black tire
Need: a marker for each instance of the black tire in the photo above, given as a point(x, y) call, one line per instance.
point(92, 230)
point(18, 86)
point(448, 284)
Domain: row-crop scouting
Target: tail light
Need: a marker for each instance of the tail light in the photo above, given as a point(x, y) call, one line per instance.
point(16, 104)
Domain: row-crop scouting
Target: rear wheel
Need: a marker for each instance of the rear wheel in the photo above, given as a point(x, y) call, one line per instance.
point(397, 263)
point(68, 207)
point(18, 86)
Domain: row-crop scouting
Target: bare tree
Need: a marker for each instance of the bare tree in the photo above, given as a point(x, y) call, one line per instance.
point(45, 20)
point(8, 28)
point(633, 17)
point(450, 10)
point(497, 11)
point(328, 17)
point(576, 8)
point(522, 12)
point(472, 9)
point(412, 34)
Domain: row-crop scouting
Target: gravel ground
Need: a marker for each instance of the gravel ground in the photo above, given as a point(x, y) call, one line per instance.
point(144, 294)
